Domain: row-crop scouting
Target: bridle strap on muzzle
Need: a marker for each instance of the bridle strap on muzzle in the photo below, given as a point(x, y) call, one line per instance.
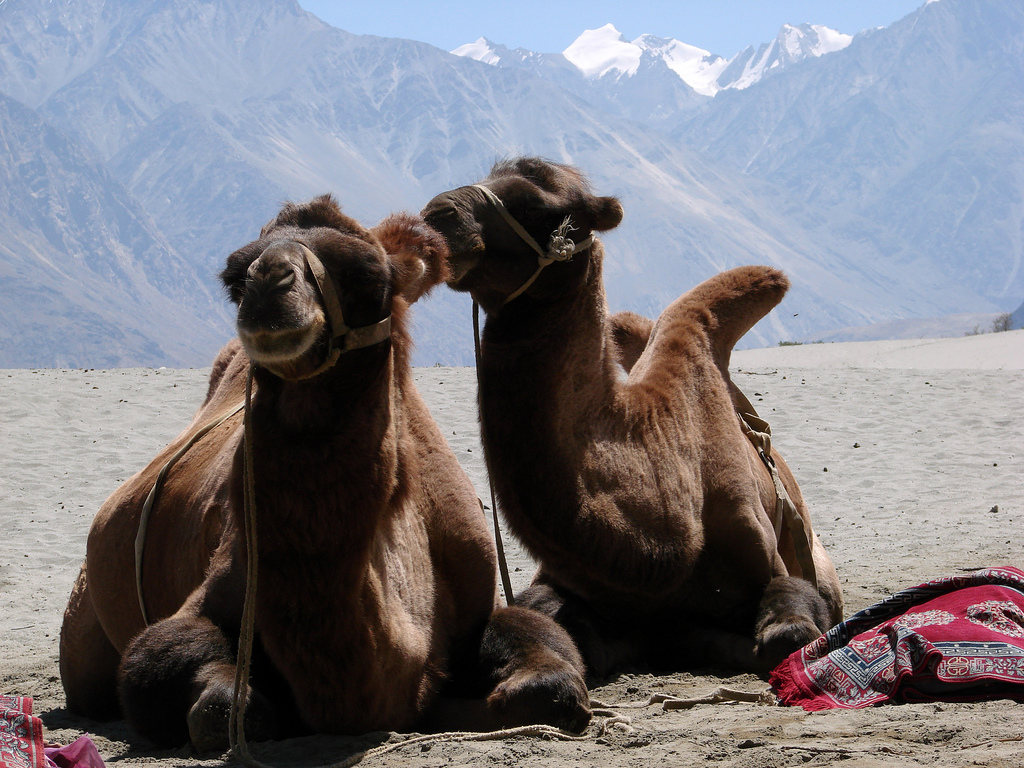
point(560, 246)
point(341, 338)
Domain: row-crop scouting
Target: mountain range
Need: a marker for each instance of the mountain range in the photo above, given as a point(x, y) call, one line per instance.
point(143, 140)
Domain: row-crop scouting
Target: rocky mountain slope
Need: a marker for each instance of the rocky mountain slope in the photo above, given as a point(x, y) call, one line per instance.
point(145, 140)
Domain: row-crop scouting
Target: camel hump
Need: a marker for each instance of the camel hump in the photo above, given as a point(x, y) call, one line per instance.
point(630, 333)
point(733, 301)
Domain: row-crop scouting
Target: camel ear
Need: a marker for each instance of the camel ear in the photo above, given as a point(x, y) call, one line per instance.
point(418, 254)
point(608, 213)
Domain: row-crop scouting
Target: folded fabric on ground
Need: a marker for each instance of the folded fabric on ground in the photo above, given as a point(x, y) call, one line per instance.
point(954, 639)
point(81, 753)
point(21, 734)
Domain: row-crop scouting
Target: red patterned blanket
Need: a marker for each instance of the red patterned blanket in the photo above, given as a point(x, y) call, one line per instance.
point(953, 639)
point(21, 734)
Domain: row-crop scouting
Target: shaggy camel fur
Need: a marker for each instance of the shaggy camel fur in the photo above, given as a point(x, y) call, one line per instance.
point(649, 511)
point(377, 579)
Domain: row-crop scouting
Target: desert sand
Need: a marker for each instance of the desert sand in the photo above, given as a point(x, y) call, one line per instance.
point(910, 455)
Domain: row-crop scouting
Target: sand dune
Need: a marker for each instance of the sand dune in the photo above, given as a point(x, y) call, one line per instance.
point(984, 352)
point(910, 454)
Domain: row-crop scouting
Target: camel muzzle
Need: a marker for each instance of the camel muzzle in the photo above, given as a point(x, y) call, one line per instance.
point(341, 337)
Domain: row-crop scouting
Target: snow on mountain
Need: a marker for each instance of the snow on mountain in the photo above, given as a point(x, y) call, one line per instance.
point(481, 50)
point(910, 139)
point(696, 67)
point(792, 44)
point(605, 52)
point(599, 51)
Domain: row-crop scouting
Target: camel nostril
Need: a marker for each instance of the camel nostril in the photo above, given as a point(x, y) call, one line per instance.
point(439, 209)
point(285, 281)
point(264, 280)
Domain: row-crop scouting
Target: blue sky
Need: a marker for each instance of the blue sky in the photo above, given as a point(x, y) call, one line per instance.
point(724, 27)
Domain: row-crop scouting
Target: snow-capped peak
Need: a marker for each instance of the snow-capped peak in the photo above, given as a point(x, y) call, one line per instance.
point(811, 40)
point(599, 51)
point(481, 50)
point(792, 44)
point(605, 51)
point(698, 68)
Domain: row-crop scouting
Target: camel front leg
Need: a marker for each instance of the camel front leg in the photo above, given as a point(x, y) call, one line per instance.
point(604, 646)
point(176, 683)
point(535, 670)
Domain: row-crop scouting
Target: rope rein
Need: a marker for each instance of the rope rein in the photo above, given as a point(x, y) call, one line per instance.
point(759, 432)
point(608, 711)
point(239, 699)
point(506, 581)
point(341, 338)
point(236, 720)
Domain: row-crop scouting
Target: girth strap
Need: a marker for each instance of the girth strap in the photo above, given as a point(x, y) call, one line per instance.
point(154, 492)
point(759, 433)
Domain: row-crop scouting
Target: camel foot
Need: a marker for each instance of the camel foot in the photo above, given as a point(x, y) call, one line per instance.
point(208, 721)
point(791, 615)
point(537, 671)
point(556, 696)
point(209, 718)
point(778, 641)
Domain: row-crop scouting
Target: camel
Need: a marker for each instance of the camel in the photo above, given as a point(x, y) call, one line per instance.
point(614, 444)
point(376, 597)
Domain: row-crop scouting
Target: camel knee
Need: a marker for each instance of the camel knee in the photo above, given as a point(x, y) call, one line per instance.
point(160, 672)
point(791, 615)
point(536, 671)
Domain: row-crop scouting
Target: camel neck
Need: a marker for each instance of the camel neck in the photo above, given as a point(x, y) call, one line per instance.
point(545, 370)
point(357, 384)
point(546, 327)
point(316, 449)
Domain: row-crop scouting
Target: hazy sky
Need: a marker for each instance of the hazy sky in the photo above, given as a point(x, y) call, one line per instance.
point(724, 27)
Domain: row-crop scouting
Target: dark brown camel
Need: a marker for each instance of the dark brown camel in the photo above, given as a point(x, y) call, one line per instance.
point(377, 582)
point(649, 511)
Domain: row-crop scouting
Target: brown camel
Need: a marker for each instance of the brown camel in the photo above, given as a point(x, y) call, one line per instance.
point(376, 587)
point(651, 515)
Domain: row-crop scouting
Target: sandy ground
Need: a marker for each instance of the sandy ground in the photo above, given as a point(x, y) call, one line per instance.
point(910, 455)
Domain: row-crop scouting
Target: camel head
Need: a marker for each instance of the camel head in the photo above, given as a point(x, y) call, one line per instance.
point(317, 284)
point(492, 255)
